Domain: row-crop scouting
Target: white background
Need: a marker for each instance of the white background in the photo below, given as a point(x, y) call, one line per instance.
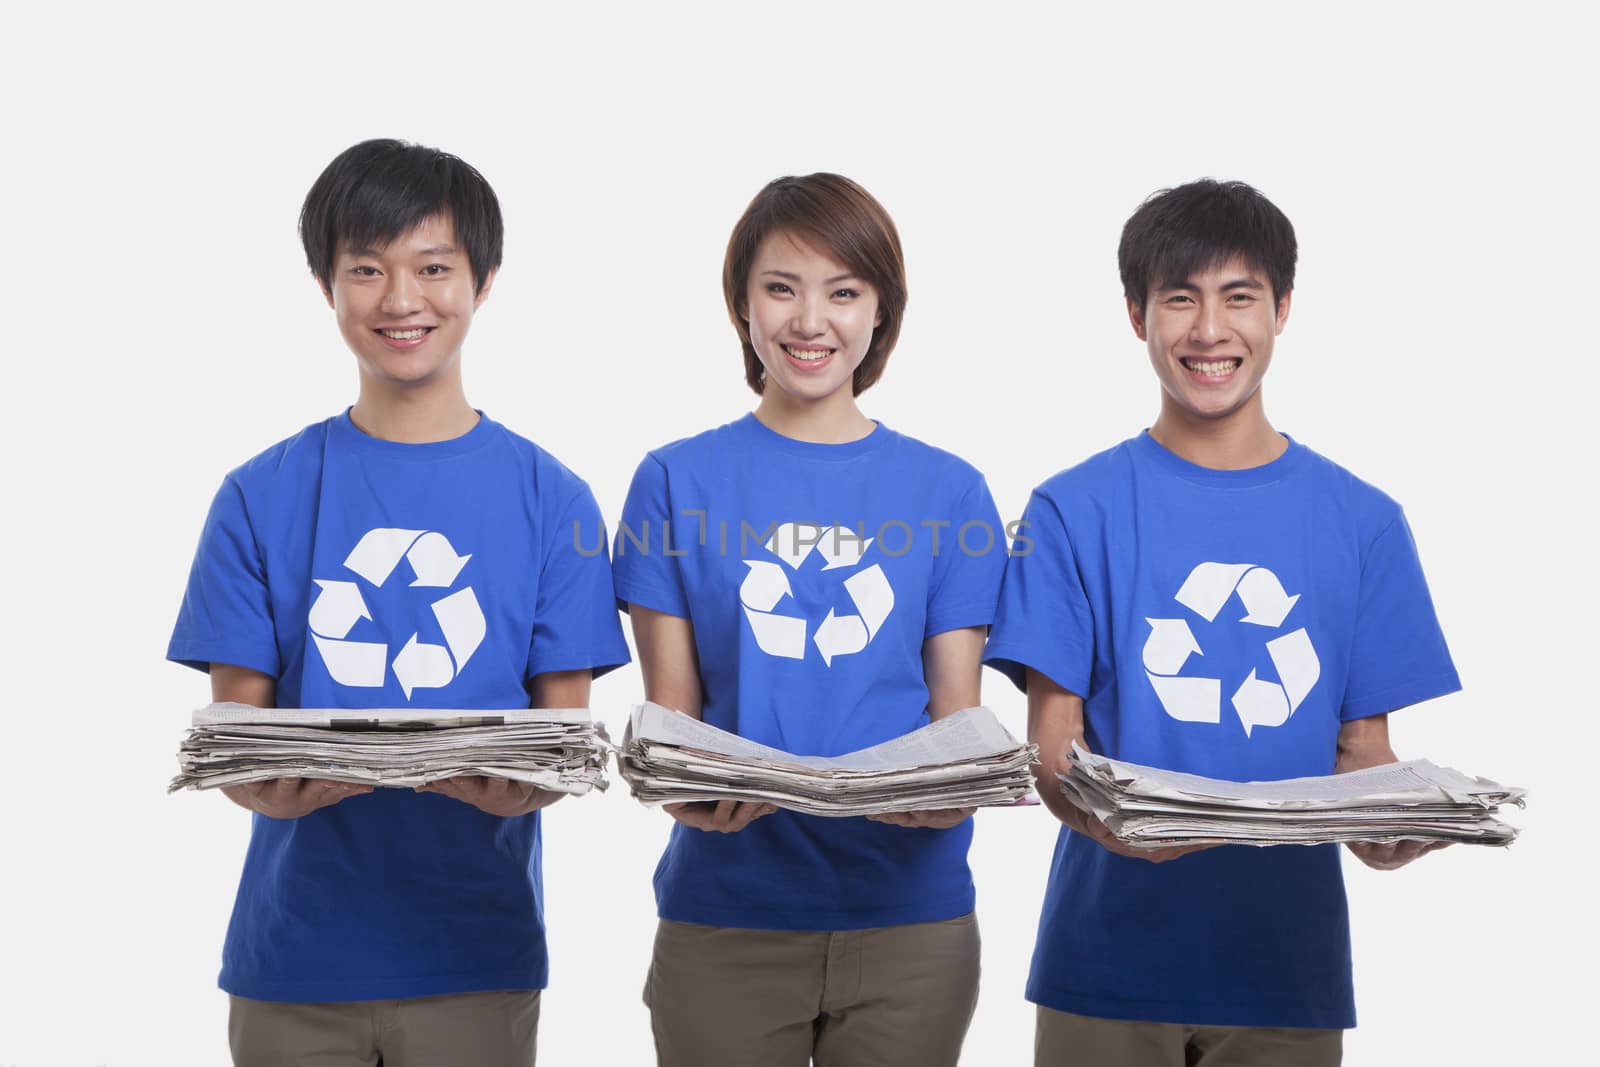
point(161, 327)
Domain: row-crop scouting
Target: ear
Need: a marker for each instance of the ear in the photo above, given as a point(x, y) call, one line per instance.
point(1283, 312)
point(483, 291)
point(327, 292)
point(1136, 317)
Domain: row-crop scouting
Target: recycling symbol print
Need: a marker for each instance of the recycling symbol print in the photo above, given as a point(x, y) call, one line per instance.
point(766, 585)
point(418, 665)
point(1257, 701)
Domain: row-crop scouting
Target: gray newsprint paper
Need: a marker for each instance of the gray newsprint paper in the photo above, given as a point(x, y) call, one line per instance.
point(963, 760)
point(1148, 807)
point(553, 748)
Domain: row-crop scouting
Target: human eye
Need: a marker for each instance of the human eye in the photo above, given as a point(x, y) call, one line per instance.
point(846, 294)
point(1175, 299)
point(778, 289)
point(434, 270)
point(363, 270)
point(1242, 299)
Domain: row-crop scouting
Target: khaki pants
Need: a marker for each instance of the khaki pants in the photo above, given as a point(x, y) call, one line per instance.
point(1063, 1040)
point(482, 1029)
point(722, 997)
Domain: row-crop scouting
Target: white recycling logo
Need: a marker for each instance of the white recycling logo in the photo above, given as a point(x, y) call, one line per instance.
point(1257, 701)
point(419, 665)
point(767, 583)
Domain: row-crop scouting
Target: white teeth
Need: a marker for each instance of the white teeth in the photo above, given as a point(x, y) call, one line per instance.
point(404, 335)
point(1221, 366)
point(808, 355)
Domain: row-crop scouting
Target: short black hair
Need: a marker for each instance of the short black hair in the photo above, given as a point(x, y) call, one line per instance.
point(1180, 232)
point(378, 190)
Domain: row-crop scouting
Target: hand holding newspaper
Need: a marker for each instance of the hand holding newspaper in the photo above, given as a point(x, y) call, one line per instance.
point(963, 760)
point(1147, 807)
point(553, 748)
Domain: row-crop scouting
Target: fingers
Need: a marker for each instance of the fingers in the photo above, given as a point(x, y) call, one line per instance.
point(722, 816)
point(1393, 855)
point(931, 819)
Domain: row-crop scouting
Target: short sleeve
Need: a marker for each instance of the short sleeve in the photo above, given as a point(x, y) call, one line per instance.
point(642, 576)
point(226, 616)
point(575, 621)
point(967, 570)
point(1044, 620)
point(1398, 655)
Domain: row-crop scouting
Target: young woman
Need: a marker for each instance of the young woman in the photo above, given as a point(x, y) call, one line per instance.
point(827, 585)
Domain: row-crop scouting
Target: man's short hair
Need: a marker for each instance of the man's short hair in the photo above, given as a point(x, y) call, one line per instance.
point(1180, 232)
point(379, 190)
point(836, 216)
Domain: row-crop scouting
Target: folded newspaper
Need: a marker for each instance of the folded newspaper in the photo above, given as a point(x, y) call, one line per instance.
point(1151, 808)
point(553, 748)
point(963, 760)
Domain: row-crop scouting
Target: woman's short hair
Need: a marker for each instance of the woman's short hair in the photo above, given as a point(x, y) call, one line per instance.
point(836, 216)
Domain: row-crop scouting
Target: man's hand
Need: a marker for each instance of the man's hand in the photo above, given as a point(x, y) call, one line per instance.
point(934, 819)
point(721, 816)
point(290, 798)
point(1364, 743)
point(1055, 721)
point(497, 796)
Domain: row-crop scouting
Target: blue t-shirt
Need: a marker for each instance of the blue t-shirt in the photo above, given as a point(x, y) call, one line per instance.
point(811, 576)
point(366, 574)
point(1223, 623)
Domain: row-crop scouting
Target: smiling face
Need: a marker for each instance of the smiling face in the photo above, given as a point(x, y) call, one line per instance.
point(404, 308)
point(1210, 340)
point(810, 319)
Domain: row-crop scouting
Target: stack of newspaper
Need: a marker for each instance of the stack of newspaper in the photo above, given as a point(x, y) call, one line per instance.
point(553, 748)
point(1151, 808)
point(964, 760)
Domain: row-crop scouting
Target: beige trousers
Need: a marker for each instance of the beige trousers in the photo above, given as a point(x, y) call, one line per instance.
point(723, 997)
point(482, 1029)
point(1064, 1040)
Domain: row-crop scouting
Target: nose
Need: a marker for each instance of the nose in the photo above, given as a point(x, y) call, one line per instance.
point(402, 295)
point(810, 319)
point(1210, 324)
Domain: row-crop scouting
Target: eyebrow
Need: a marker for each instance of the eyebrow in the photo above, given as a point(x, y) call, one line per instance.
point(431, 250)
point(1229, 286)
point(795, 277)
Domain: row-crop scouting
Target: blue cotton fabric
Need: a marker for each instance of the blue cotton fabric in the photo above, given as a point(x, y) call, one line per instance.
point(1180, 602)
point(793, 654)
point(363, 573)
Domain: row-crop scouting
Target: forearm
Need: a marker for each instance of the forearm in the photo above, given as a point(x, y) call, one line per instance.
point(241, 685)
point(952, 666)
point(1363, 743)
point(667, 659)
point(1055, 721)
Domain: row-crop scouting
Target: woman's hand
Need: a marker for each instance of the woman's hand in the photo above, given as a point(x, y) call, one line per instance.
point(934, 819)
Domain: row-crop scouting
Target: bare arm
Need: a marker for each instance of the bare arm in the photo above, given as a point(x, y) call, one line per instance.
point(672, 679)
point(1055, 721)
point(279, 798)
point(1364, 743)
point(952, 663)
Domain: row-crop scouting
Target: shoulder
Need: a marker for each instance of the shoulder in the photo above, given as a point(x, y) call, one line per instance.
point(943, 470)
point(1368, 510)
point(701, 447)
point(1091, 482)
point(553, 480)
point(286, 463)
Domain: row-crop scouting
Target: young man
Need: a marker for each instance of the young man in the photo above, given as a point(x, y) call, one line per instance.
point(408, 552)
point(1216, 598)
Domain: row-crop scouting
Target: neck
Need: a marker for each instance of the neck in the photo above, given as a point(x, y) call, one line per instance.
point(1237, 441)
point(832, 420)
point(413, 415)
